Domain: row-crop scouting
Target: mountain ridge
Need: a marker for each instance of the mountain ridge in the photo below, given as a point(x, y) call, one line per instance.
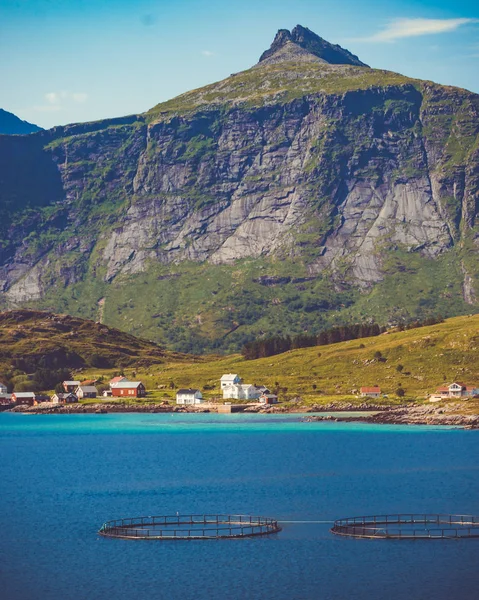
point(10, 124)
point(305, 42)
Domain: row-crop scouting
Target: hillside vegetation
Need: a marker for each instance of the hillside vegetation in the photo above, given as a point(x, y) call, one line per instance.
point(34, 341)
point(429, 357)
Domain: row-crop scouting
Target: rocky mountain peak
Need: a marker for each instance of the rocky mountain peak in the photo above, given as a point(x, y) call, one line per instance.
point(304, 45)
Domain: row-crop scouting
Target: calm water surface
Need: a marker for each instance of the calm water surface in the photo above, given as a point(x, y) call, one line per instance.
point(62, 476)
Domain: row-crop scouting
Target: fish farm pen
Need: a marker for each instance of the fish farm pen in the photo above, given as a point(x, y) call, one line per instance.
point(409, 527)
point(189, 527)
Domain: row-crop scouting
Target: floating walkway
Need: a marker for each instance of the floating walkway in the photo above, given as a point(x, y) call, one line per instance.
point(189, 527)
point(409, 527)
point(206, 527)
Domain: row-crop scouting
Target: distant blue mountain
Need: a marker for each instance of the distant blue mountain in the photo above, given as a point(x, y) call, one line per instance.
point(11, 124)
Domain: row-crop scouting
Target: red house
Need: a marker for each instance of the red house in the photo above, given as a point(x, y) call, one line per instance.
point(128, 388)
point(373, 392)
point(23, 398)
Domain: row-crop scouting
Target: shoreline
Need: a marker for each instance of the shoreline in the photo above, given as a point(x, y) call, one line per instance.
point(450, 414)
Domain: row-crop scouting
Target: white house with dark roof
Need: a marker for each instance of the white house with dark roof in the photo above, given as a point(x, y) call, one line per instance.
point(64, 398)
point(229, 379)
point(86, 391)
point(3, 389)
point(189, 396)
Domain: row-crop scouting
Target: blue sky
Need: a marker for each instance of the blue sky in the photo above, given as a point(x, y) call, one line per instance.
point(68, 61)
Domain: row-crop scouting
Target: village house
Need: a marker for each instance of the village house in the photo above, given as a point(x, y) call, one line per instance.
point(262, 389)
point(86, 391)
point(128, 388)
point(70, 386)
point(116, 380)
point(23, 398)
point(371, 392)
point(3, 389)
point(189, 396)
point(107, 394)
point(239, 391)
point(39, 398)
point(5, 399)
point(64, 398)
point(268, 398)
point(229, 379)
point(456, 390)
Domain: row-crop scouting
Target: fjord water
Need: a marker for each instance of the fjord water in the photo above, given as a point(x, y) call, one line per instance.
point(62, 476)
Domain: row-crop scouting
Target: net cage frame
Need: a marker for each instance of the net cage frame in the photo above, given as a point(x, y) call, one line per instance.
point(407, 526)
point(189, 527)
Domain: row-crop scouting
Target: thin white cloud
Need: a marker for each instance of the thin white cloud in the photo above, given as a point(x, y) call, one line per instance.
point(207, 53)
point(404, 28)
point(56, 101)
point(80, 97)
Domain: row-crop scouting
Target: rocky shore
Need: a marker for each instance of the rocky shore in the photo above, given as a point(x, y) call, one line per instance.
point(450, 414)
point(48, 408)
point(457, 414)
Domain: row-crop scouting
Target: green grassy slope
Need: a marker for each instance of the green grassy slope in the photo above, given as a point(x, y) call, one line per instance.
point(278, 83)
point(430, 356)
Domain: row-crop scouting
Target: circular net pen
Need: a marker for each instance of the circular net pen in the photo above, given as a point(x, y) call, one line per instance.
point(189, 527)
point(409, 527)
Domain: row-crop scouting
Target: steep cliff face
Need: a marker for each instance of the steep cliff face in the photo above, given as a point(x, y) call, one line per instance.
point(304, 168)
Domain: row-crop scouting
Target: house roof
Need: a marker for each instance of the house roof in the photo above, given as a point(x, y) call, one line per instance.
point(269, 395)
point(24, 394)
point(63, 395)
point(239, 386)
point(371, 389)
point(126, 384)
point(443, 388)
point(187, 391)
point(88, 389)
point(229, 377)
point(71, 383)
point(457, 383)
point(118, 379)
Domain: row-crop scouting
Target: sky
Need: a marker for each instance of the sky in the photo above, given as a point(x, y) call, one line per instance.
point(68, 61)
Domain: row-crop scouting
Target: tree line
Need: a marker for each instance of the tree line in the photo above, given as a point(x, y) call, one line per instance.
point(279, 344)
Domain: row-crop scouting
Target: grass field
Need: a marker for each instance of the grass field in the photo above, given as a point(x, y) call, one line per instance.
point(429, 356)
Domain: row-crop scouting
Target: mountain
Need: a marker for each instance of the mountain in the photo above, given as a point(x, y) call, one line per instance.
point(306, 191)
point(11, 124)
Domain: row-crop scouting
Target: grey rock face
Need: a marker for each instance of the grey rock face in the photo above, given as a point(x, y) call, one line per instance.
point(301, 43)
point(352, 171)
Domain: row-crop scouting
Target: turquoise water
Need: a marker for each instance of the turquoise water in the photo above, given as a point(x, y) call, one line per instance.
point(62, 476)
